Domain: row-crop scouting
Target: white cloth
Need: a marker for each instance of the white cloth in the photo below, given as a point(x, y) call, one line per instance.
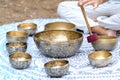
point(108, 14)
point(79, 69)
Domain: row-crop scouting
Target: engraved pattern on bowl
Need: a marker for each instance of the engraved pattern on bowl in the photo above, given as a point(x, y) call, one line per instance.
point(56, 68)
point(20, 60)
point(16, 47)
point(58, 43)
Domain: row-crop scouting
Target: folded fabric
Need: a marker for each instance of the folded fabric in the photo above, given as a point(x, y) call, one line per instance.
point(109, 23)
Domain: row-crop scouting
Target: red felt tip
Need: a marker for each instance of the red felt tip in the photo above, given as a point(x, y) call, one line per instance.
point(92, 38)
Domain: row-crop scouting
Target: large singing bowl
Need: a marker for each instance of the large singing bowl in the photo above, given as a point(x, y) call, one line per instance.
point(105, 43)
point(58, 43)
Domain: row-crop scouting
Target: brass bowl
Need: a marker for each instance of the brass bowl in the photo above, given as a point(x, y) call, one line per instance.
point(30, 28)
point(100, 58)
point(20, 60)
point(16, 47)
point(14, 36)
point(58, 43)
point(56, 68)
point(105, 43)
point(60, 26)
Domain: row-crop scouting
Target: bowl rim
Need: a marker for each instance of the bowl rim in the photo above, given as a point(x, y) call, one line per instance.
point(96, 52)
point(11, 56)
point(16, 42)
point(22, 25)
point(59, 22)
point(57, 60)
point(107, 37)
point(35, 39)
point(9, 33)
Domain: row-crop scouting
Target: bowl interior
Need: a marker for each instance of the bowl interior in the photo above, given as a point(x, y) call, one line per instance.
point(60, 26)
point(20, 56)
point(100, 55)
point(57, 35)
point(17, 34)
point(16, 44)
point(56, 63)
point(27, 25)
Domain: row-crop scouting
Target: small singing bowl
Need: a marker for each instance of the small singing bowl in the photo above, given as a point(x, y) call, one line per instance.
point(30, 28)
point(105, 43)
point(58, 43)
point(14, 36)
point(60, 26)
point(100, 58)
point(20, 60)
point(16, 47)
point(56, 68)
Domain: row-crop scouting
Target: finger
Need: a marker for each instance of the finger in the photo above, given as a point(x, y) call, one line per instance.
point(89, 3)
point(82, 2)
point(79, 3)
point(95, 6)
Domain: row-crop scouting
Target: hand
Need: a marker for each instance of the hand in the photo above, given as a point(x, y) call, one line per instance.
point(95, 3)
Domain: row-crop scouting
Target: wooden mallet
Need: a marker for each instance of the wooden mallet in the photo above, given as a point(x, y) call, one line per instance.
point(92, 37)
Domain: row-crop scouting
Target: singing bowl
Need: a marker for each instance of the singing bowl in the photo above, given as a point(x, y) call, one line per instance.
point(20, 60)
point(105, 43)
point(100, 58)
point(30, 28)
point(60, 26)
point(16, 47)
point(56, 68)
point(58, 43)
point(14, 36)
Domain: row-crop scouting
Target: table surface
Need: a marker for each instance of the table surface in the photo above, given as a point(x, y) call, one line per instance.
point(80, 68)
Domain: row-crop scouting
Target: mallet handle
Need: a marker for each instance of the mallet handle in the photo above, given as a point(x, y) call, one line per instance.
point(86, 20)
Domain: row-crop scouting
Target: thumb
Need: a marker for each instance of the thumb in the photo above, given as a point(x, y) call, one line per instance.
point(95, 6)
